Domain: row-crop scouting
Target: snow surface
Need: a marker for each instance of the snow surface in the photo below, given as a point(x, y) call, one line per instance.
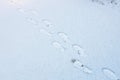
point(28, 54)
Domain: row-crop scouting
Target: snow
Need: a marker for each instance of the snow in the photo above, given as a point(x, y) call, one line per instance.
point(27, 54)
